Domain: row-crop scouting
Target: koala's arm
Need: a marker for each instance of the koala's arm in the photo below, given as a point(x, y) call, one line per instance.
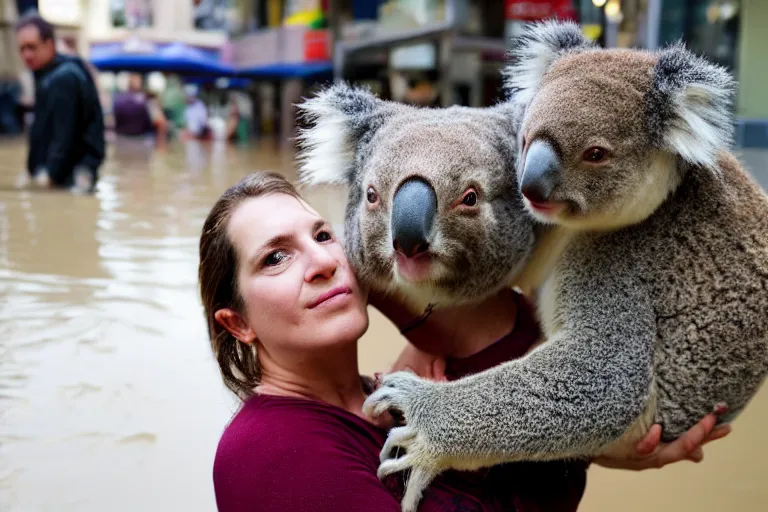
point(562, 401)
point(570, 397)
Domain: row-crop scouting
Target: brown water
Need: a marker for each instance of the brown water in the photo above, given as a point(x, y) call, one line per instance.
point(109, 397)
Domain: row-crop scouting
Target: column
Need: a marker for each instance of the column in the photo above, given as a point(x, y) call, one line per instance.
point(753, 72)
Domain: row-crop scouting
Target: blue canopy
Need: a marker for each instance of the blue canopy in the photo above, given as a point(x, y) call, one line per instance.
point(288, 70)
point(174, 58)
point(189, 61)
point(232, 83)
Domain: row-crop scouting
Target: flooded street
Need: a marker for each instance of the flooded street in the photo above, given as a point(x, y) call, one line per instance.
point(110, 399)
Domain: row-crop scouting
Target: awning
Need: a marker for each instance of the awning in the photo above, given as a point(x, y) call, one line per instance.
point(173, 58)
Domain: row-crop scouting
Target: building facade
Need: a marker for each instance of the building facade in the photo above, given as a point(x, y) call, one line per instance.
point(201, 23)
point(730, 33)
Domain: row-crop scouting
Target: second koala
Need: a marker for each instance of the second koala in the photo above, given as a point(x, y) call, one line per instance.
point(654, 297)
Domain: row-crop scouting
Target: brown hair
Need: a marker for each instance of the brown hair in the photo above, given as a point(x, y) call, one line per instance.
point(217, 277)
point(33, 19)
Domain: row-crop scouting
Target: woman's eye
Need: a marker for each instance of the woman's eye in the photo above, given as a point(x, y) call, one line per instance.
point(323, 236)
point(470, 198)
point(274, 258)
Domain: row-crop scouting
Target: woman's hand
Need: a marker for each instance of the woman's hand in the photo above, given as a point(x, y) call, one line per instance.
point(42, 179)
point(650, 454)
point(421, 363)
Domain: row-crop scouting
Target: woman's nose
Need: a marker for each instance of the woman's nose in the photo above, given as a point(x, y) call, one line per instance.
point(322, 265)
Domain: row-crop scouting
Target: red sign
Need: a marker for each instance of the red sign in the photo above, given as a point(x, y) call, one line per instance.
point(535, 10)
point(316, 45)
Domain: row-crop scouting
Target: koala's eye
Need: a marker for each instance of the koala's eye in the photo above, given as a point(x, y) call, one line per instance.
point(595, 155)
point(470, 198)
point(371, 195)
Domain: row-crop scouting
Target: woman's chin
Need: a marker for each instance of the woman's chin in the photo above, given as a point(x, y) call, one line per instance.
point(345, 327)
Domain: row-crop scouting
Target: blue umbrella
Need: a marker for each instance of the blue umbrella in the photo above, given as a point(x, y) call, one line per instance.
point(174, 58)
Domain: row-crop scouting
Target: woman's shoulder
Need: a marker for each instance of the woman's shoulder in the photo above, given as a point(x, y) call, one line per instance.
point(283, 453)
point(269, 426)
point(287, 435)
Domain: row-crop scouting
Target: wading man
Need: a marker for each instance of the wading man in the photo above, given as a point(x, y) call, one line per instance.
point(66, 140)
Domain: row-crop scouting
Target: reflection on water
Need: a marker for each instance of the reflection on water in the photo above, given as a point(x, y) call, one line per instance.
point(109, 397)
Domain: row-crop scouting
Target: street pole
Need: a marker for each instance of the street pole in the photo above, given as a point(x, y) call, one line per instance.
point(334, 27)
point(652, 24)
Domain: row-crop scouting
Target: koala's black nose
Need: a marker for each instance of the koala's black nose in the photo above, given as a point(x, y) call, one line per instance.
point(413, 212)
point(541, 172)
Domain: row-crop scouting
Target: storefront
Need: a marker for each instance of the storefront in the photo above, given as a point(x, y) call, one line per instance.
point(709, 28)
point(730, 33)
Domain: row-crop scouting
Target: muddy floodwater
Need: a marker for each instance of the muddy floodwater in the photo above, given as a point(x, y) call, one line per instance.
point(109, 397)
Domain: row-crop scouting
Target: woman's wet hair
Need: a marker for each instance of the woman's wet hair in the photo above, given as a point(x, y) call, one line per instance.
point(217, 277)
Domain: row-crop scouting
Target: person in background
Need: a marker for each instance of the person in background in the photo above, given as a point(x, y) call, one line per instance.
point(158, 119)
point(233, 122)
point(66, 140)
point(174, 102)
point(138, 113)
point(196, 115)
point(11, 120)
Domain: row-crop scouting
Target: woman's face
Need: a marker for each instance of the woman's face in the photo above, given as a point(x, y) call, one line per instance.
point(297, 287)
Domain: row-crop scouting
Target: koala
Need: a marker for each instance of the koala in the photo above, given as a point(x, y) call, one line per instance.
point(652, 274)
point(433, 213)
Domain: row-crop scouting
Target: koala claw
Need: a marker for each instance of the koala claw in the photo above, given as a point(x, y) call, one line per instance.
point(422, 472)
point(410, 395)
point(418, 481)
point(398, 391)
point(390, 466)
point(400, 437)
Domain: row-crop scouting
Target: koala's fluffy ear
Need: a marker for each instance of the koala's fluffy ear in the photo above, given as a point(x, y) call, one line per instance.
point(338, 116)
point(535, 50)
point(689, 106)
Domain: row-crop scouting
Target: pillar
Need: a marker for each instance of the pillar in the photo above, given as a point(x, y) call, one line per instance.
point(753, 73)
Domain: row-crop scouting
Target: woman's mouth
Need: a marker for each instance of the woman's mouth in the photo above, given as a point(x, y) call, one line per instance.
point(336, 295)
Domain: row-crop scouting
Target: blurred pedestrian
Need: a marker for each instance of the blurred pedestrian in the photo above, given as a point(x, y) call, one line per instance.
point(66, 141)
point(138, 112)
point(196, 116)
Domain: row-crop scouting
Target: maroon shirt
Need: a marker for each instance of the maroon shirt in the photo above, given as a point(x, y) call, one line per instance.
point(296, 455)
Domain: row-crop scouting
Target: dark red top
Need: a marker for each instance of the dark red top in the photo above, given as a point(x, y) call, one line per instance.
point(299, 455)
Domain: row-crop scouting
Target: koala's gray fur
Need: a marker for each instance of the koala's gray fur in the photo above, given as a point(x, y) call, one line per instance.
point(356, 139)
point(655, 297)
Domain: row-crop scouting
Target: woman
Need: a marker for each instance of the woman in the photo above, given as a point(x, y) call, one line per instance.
point(284, 312)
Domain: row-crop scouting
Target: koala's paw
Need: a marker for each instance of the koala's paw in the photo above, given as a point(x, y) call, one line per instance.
point(412, 397)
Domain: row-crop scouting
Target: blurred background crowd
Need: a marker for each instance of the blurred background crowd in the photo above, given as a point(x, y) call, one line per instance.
point(237, 66)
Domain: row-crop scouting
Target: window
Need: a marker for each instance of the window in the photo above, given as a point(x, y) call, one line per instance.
point(131, 13)
point(211, 14)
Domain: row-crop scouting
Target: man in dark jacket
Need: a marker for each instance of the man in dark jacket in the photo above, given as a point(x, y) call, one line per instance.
point(66, 141)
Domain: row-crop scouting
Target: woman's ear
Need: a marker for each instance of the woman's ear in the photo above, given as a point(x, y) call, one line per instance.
point(233, 322)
